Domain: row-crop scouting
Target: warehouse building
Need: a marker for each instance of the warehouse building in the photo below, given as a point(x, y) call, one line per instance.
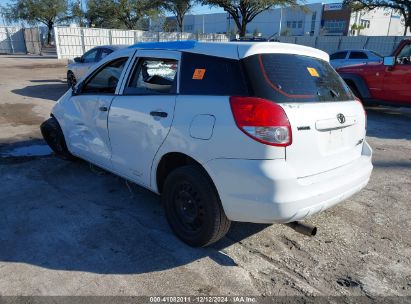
point(308, 20)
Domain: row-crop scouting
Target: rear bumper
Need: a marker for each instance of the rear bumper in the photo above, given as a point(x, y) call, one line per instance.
point(268, 191)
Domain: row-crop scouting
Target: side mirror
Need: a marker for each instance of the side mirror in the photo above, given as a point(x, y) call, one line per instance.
point(75, 90)
point(389, 61)
point(78, 59)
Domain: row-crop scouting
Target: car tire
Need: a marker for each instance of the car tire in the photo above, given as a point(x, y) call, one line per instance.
point(53, 135)
point(193, 208)
point(71, 79)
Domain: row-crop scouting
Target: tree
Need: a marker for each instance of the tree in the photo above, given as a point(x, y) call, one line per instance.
point(126, 14)
point(358, 28)
point(401, 6)
point(100, 14)
point(169, 25)
point(77, 13)
point(179, 8)
point(244, 11)
point(48, 12)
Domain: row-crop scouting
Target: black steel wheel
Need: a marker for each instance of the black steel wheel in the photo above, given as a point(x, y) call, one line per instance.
point(193, 207)
point(53, 135)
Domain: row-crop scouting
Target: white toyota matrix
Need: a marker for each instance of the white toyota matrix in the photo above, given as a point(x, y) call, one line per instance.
point(258, 132)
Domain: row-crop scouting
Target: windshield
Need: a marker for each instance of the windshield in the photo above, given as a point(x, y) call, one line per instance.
point(377, 54)
point(295, 78)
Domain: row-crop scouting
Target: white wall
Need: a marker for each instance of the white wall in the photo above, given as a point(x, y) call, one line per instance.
point(72, 42)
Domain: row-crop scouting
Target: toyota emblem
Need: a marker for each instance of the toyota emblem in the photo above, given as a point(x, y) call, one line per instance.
point(341, 118)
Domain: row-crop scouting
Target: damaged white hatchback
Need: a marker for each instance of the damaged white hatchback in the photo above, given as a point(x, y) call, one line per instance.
point(257, 132)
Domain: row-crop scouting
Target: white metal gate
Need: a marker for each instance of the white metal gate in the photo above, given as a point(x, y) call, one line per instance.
point(12, 40)
point(72, 42)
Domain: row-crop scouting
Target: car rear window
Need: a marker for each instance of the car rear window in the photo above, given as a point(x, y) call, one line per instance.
point(210, 75)
point(294, 78)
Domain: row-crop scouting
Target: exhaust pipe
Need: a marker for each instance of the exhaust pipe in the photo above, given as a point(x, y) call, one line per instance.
point(303, 228)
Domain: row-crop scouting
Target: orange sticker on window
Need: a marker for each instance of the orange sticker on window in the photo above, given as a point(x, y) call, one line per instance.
point(313, 72)
point(199, 74)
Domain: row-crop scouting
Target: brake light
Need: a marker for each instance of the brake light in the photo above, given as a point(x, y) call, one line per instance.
point(262, 120)
point(365, 113)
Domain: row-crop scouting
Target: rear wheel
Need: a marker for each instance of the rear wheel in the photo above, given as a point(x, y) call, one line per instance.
point(71, 79)
point(193, 208)
point(53, 135)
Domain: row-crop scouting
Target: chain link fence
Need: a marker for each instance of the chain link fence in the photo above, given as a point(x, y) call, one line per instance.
point(383, 45)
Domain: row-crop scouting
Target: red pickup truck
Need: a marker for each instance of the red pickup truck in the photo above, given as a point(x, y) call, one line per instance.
point(387, 82)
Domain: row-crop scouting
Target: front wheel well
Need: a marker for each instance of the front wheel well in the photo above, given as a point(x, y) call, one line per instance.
point(170, 162)
point(353, 86)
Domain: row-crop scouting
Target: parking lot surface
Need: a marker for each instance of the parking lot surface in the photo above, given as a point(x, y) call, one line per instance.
point(69, 228)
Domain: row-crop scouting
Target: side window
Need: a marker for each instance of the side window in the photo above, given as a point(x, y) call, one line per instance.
point(153, 76)
point(106, 79)
point(358, 55)
point(210, 75)
point(104, 53)
point(339, 55)
point(90, 56)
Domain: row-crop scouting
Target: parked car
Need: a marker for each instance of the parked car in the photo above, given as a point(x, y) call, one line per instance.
point(385, 82)
point(80, 65)
point(258, 132)
point(350, 57)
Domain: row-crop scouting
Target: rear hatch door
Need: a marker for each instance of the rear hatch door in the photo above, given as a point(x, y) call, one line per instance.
point(328, 124)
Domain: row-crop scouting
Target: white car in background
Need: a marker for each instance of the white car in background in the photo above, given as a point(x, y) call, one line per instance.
point(80, 65)
point(258, 132)
point(351, 57)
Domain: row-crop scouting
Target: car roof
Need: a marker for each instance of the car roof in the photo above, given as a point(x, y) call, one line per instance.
point(112, 47)
point(233, 50)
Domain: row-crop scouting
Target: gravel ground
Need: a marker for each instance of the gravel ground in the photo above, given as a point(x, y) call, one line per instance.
point(68, 228)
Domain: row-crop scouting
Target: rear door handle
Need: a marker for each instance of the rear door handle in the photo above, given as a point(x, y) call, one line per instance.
point(158, 114)
point(103, 109)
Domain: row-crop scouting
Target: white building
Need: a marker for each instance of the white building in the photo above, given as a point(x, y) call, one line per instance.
point(312, 19)
point(304, 20)
point(378, 22)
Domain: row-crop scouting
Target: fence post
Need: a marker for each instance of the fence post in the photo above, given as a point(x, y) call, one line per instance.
point(135, 36)
point(10, 40)
point(366, 42)
point(56, 41)
point(40, 43)
point(83, 47)
point(339, 43)
point(110, 37)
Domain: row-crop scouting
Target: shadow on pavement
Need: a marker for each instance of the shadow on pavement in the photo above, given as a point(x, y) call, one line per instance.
point(47, 91)
point(384, 122)
point(72, 216)
point(48, 80)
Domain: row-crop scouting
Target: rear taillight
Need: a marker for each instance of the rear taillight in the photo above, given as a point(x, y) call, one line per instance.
point(365, 113)
point(262, 120)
